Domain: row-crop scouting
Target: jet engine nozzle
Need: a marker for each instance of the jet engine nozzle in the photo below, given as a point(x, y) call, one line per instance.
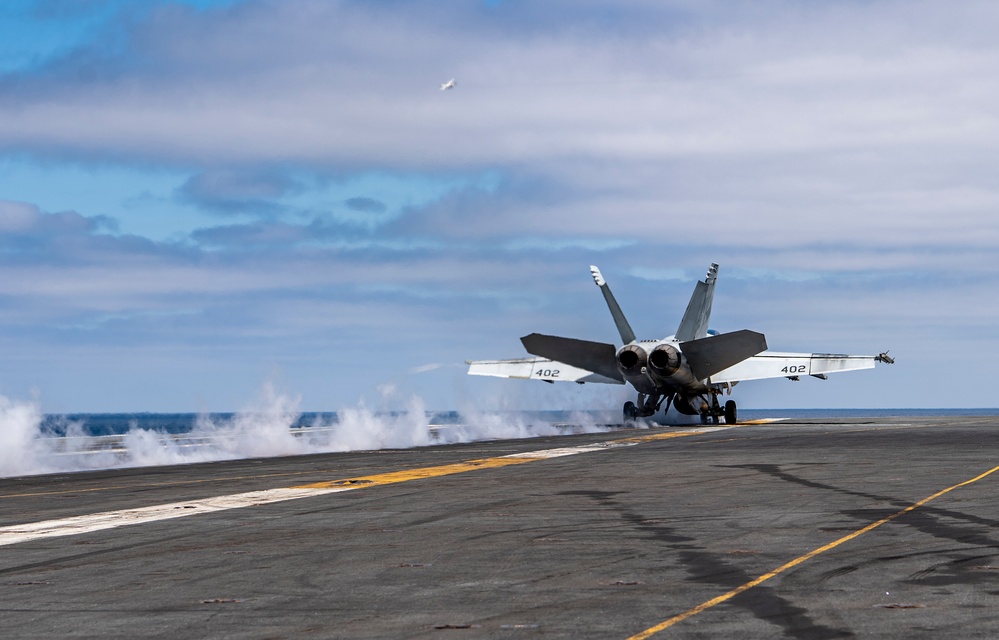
point(665, 360)
point(631, 359)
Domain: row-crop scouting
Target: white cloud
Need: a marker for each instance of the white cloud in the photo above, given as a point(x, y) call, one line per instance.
point(17, 217)
point(833, 151)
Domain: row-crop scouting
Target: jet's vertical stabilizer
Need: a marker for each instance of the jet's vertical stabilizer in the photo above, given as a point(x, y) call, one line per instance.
point(627, 335)
point(695, 320)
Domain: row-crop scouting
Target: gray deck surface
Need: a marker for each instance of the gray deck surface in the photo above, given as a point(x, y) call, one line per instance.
point(597, 545)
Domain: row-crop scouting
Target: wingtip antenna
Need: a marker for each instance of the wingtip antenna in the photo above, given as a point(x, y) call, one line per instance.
point(885, 358)
point(597, 277)
point(712, 273)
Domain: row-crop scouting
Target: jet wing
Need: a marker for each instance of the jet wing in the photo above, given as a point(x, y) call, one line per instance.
point(536, 369)
point(776, 364)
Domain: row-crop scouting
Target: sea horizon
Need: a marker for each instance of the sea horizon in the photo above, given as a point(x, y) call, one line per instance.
point(117, 423)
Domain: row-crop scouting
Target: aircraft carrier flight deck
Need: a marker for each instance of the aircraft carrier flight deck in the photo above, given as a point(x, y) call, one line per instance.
point(879, 527)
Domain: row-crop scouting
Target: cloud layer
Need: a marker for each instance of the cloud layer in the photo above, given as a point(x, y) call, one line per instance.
point(282, 187)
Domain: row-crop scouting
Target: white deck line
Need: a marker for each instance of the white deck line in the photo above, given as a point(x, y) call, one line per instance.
point(75, 525)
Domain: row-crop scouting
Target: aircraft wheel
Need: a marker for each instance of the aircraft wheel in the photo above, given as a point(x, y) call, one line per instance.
point(630, 411)
point(730, 412)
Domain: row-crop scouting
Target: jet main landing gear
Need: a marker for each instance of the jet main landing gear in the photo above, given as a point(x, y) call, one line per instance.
point(647, 406)
point(731, 414)
point(715, 411)
point(630, 411)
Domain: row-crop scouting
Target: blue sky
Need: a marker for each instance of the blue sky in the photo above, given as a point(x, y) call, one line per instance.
point(200, 197)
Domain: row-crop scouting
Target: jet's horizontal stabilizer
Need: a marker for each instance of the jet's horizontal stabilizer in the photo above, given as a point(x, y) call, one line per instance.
point(598, 357)
point(708, 356)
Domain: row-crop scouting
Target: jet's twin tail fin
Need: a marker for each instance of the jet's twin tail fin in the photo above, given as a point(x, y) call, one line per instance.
point(627, 335)
point(694, 324)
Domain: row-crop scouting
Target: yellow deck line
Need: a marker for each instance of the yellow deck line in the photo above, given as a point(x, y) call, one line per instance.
point(800, 559)
point(420, 473)
point(406, 475)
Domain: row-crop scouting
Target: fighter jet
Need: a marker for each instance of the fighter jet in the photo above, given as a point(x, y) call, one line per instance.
point(448, 85)
point(687, 370)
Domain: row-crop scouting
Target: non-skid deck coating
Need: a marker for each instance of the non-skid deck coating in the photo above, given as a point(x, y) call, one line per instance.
point(753, 531)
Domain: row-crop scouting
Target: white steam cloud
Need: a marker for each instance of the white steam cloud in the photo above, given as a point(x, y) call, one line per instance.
point(266, 429)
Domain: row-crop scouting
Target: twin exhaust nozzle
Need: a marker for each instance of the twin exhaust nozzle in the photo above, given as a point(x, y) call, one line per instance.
point(663, 361)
